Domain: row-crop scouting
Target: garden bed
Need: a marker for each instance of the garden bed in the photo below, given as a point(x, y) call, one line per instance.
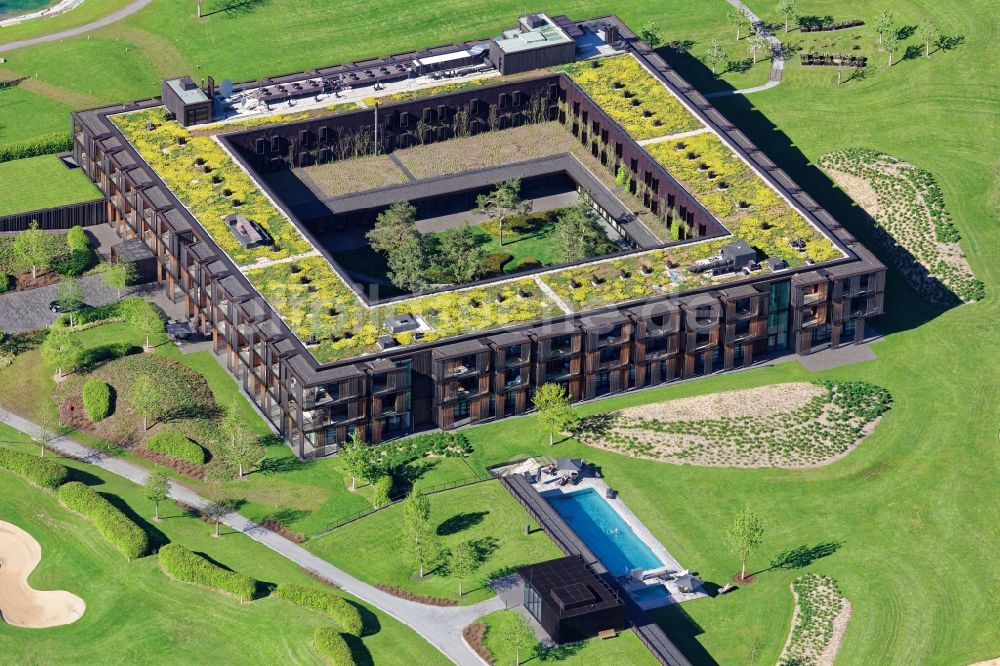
point(819, 622)
point(908, 210)
point(791, 425)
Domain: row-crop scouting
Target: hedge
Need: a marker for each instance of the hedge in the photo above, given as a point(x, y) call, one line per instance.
point(332, 644)
point(46, 144)
point(96, 399)
point(176, 445)
point(77, 239)
point(37, 470)
point(116, 527)
point(342, 611)
point(181, 564)
point(494, 262)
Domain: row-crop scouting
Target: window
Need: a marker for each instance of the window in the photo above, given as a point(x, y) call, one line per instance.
point(656, 345)
point(610, 354)
point(461, 410)
point(512, 354)
point(777, 318)
point(532, 602)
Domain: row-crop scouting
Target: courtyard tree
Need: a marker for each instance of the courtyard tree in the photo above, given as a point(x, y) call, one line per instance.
point(737, 17)
point(69, 298)
point(216, 511)
point(882, 24)
point(464, 562)
point(147, 399)
point(145, 318)
point(554, 409)
point(241, 447)
point(929, 34)
point(33, 247)
point(156, 488)
point(503, 202)
point(420, 537)
point(757, 44)
point(651, 34)
point(787, 10)
point(716, 55)
point(890, 43)
point(577, 233)
point(745, 536)
point(395, 234)
point(61, 348)
point(461, 254)
point(49, 428)
point(359, 458)
point(119, 275)
point(516, 632)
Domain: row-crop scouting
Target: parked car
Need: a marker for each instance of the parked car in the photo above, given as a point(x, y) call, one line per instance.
point(54, 307)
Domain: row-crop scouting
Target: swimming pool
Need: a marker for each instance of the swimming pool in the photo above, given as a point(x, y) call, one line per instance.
point(604, 531)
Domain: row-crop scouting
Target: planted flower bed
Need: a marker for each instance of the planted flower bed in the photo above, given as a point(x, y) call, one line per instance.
point(818, 622)
point(908, 210)
point(633, 97)
point(206, 180)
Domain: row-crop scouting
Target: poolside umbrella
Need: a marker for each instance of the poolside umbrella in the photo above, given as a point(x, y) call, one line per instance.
point(568, 466)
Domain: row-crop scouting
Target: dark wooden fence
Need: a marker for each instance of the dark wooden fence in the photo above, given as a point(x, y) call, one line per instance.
point(87, 214)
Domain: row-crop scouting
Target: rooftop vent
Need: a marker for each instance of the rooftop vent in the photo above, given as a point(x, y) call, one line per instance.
point(776, 264)
point(248, 233)
point(385, 342)
point(401, 323)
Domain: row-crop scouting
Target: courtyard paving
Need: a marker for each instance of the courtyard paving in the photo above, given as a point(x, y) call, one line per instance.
point(23, 311)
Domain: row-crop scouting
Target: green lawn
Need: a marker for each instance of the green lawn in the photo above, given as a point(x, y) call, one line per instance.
point(625, 648)
point(484, 513)
point(25, 114)
point(84, 13)
point(146, 617)
point(42, 182)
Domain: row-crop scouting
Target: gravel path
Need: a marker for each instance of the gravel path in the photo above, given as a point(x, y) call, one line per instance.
point(114, 17)
point(777, 60)
point(23, 311)
point(441, 626)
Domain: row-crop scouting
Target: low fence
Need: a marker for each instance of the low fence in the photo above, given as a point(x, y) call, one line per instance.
point(61, 218)
point(426, 490)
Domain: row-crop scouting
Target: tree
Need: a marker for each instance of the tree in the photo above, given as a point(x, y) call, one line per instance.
point(147, 399)
point(464, 562)
point(49, 428)
point(241, 446)
point(842, 65)
point(147, 320)
point(69, 297)
point(383, 489)
point(756, 44)
point(157, 489)
point(395, 233)
point(890, 43)
point(787, 9)
point(745, 537)
point(651, 34)
point(461, 254)
point(358, 458)
point(577, 233)
point(119, 275)
point(737, 17)
point(61, 348)
point(882, 24)
point(32, 247)
point(423, 543)
point(216, 511)
point(554, 410)
point(517, 633)
point(929, 33)
point(716, 55)
point(503, 202)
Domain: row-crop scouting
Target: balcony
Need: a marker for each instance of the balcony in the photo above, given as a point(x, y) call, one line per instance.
point(815, 296)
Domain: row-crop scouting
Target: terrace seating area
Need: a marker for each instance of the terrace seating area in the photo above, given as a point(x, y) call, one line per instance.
point(833, 60)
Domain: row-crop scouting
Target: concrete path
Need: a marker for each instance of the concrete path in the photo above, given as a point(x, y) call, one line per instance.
point(777, 59)
point(440, 626)
point(23, 311)
point(668, 137)
point(113, 17)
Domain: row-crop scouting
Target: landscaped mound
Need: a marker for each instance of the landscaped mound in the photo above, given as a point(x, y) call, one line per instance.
point(176, 445)
point(908, 210)
point(785, 425)
point(181, 564)
point(325, 601)
point(20, 604)
point(39, 471)
point(818, 622)
point(114, 525)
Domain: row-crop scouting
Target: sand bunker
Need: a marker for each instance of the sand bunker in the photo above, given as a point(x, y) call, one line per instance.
point(20, 605)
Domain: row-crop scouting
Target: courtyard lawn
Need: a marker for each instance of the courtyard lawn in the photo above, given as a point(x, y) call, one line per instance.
point(42, 182)
point(484, 513)
point(28, 114)
point(135, 613)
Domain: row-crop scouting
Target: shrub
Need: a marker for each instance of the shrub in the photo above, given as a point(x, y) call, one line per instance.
point(114, 525)
point(5, 283)
point(494, 262)
point(176, 445)
point(76, 263)
point(77, 240)
point(96, 399)
point(342, 611)
point(181, 564)
point(46, 144)
point(332, 644)
point(528, 263)
point(383, 489)
point(39, 471)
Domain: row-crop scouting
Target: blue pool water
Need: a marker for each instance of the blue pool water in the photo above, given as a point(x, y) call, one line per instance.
point(604, 531)
point(650, 593)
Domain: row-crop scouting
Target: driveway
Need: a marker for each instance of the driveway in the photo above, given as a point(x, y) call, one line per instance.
point(23, 311)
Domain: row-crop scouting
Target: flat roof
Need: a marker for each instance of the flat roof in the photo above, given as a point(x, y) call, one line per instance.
point(570, 586)
point(193, 95)
point(545, 35)
point(443, 57)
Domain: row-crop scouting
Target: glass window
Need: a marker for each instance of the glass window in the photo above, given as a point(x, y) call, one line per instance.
point(532, 602)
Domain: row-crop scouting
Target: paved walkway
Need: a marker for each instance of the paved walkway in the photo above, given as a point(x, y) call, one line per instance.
point(113, 17)
point(777, 59)
point(23, 311)
point(440, 626)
